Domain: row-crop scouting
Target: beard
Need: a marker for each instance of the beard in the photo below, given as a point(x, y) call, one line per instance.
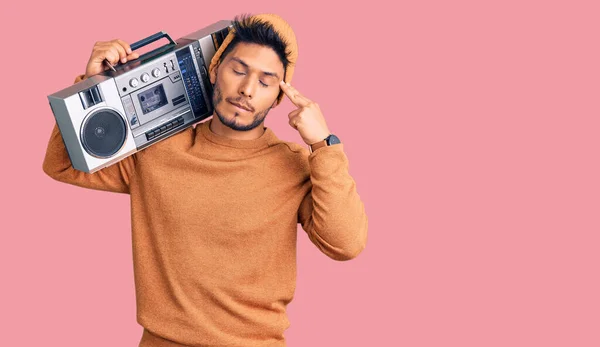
point(259, 117)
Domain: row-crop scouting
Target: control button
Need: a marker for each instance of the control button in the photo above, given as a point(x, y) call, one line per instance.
point(134, 82)
point(169, 125)
point(163, 128)
point(145, 78)
point(156, 72)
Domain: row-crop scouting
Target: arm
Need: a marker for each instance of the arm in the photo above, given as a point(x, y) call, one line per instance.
point(332, 213)
point(57, 165)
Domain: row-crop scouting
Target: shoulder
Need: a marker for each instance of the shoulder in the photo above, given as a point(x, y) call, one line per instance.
point(291, 150)
point(175, 142)
point(294, 149)
point(291, 156)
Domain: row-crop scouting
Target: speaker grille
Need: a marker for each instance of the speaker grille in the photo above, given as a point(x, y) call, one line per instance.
point(103, 133)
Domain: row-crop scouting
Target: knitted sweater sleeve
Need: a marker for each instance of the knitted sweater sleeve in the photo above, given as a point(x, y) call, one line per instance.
point(332, 213)
point(57, 165)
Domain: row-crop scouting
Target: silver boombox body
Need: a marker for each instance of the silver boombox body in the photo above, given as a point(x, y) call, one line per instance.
point(109, 116)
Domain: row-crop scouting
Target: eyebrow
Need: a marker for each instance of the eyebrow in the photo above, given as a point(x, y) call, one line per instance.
point(272, 74)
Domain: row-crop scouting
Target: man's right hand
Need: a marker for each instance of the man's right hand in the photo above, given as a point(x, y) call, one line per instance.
point(114, 51)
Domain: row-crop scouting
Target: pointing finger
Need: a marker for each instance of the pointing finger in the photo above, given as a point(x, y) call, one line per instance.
point(295, 97)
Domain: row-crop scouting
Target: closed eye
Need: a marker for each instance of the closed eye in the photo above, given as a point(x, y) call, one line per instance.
point(241, 73)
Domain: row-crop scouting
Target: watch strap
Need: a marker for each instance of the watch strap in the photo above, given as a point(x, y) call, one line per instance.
point(318, 145)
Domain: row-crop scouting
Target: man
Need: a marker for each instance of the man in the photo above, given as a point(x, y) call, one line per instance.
point(215, 208)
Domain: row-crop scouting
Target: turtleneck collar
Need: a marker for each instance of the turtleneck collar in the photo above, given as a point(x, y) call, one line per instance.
point(265, 140)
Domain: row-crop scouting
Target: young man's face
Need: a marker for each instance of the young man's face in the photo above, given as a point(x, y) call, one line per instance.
point(246, 85)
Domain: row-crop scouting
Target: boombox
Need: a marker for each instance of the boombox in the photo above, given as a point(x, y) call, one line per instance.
point(113, 114)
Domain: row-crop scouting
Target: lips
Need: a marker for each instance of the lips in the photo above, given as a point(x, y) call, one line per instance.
point(240, 106)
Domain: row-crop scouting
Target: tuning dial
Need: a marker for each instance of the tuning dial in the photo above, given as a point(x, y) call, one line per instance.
point(133, 82)
point(156, 72)
point(145, 78)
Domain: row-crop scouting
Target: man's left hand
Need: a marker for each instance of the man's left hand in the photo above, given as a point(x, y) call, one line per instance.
point(307, 118)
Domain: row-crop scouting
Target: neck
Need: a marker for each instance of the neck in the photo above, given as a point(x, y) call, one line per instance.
point(221, 129)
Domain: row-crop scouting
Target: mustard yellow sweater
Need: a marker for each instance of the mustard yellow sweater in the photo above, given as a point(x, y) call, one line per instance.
point(214, 223)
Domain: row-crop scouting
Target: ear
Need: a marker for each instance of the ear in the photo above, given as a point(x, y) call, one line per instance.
point(282, 95)
point(213, 74)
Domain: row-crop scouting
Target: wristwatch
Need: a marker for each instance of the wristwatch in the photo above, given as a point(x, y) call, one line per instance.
point(329, 140)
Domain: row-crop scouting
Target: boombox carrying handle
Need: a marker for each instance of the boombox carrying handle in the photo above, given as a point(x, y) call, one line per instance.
point(148, 40)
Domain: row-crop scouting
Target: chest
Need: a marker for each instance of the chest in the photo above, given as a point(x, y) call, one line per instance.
point(242, 195)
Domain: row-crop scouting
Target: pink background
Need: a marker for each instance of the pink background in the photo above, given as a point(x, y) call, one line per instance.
point(472, 134)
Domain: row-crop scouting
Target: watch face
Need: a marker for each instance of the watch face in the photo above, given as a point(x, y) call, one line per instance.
point(332, 140)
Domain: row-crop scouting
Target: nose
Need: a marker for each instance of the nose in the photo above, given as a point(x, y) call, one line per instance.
point(247, 88)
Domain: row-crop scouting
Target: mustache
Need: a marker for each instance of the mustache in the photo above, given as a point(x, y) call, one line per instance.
point(240, 101)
